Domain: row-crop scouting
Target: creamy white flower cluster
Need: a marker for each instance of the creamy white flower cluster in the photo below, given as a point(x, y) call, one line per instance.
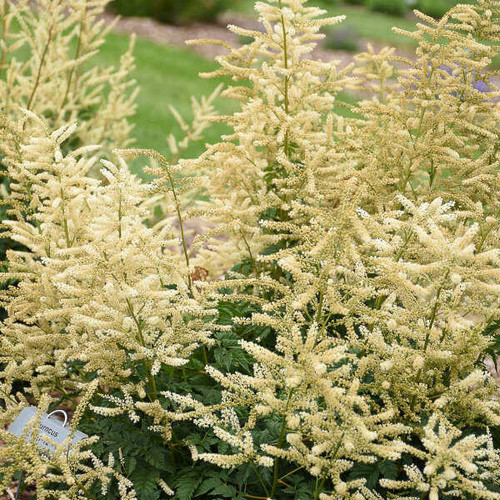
point(378, 232)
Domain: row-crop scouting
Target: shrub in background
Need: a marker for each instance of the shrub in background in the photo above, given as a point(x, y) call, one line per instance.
point(342, 355)
point(342, 39)
point(173, 11)
point(393, 7)
point(437, 8)
point(140, 8)
point(434, 8)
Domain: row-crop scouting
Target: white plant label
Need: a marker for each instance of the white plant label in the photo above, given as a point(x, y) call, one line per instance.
point(49, 427)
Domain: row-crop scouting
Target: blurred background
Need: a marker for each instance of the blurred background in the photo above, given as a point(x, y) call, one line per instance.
point(185, 11)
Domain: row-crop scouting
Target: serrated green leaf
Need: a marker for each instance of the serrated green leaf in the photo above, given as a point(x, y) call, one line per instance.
point(131, 464)
point(155, 456)
point(186, 484)
point(206, 486)
point(145, 483)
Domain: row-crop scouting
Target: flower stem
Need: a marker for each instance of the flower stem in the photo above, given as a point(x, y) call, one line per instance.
point(319, 488)
point(40, 66)
point(148, 363)
point(260, 479)
point(281, 438)
point(287, 82)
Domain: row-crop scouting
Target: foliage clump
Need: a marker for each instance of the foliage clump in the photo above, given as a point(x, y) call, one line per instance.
point(326, 336)
point(173, 11)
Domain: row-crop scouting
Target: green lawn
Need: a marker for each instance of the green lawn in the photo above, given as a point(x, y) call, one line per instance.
point(166, 75)
point(374, 25)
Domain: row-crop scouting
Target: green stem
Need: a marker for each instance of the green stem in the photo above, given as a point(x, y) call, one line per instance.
point(85, 490)
point(287, 81)
point(8, 396)
point(382, 298)
point(77, 55)
point(148, 364)
point(120, 216)
point(63, 211)
point(319, 488)
point(181, 224)
point(319, 312)
point(40, 67)
point(281, 438)
point(404, 247)
point(432, 173)
point(80, 485)
point(486, 233)
point(276, 460)
point(417, 136)
point(428, 335)
point(252, 259)
point(4, 37)
point(290, 473)
point(260, 479)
